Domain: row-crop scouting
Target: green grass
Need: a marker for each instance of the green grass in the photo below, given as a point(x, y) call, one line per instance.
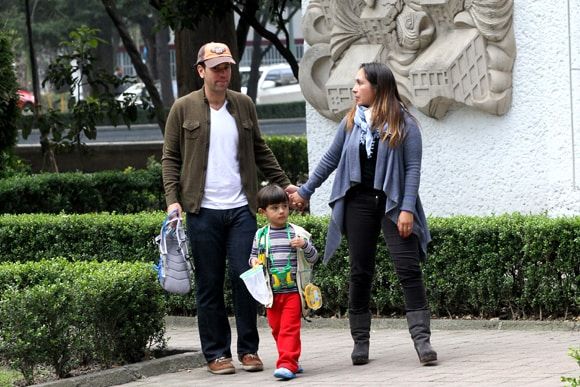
point(8, 377)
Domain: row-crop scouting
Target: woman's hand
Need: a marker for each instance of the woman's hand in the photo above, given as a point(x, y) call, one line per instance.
point(405, 224)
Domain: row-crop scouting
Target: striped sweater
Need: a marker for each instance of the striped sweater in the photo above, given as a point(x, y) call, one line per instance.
point(280, 253)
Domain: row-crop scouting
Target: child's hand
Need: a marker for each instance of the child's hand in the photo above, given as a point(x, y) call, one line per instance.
point(298, 242)
point(254, 262)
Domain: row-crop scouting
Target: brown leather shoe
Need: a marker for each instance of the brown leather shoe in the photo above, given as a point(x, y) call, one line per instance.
point(251, 362)
point(221, 366)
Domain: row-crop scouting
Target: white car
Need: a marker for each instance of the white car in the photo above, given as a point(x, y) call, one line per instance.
point(137, 92)
point(276, 84)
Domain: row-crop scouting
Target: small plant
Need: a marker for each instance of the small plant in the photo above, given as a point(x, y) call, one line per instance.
point(74, 70)
point(572, 381)
point(9, 111)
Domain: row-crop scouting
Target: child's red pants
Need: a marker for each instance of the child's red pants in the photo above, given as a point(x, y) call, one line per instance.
point(284, 319)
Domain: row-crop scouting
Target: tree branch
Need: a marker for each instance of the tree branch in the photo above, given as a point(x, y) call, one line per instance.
point(136, 60)
point(284, 51)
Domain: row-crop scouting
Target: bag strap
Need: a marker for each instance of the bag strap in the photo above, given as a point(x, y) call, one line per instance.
point(161, 239)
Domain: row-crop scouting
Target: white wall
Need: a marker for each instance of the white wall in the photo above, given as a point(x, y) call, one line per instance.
point(479, 164)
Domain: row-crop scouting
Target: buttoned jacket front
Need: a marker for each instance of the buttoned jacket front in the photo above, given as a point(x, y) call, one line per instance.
point(186, 150)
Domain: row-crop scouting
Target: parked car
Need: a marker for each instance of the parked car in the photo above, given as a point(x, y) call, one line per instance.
point(137, 93)
point(276, 84)
point(25, 100)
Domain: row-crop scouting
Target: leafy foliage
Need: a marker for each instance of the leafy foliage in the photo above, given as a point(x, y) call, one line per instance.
point(64, 314)
point(574, 353)
point(9, 111)
point(73, 69)
point(126, 191)
point(509, 266)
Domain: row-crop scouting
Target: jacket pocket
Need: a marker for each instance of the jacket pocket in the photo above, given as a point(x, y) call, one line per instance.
point(247, 125)
point(191, 128)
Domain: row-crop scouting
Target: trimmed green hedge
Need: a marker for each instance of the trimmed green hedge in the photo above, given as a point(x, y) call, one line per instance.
point(101, 237)
point(76, 192)
point(127, 191)
point(266, 111)
point(281, 110)
point(500, 266)
point(64, 314)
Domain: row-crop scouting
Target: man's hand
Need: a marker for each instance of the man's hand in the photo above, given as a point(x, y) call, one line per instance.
point(174, 207)
point(291, 189)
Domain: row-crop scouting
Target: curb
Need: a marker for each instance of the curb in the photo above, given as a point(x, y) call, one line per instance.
point(401, 323)
point(133, 372)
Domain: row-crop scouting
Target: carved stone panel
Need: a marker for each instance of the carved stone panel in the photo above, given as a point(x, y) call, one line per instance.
point(442, 52)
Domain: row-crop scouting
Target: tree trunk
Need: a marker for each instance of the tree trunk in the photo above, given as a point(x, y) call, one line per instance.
point(252, 87)
point(250, 9)
point(49, 160)
point(283, 50)
point(140, 67)
point(149, 38)
point(164, 67)
point(105, 53)
point(185, 62)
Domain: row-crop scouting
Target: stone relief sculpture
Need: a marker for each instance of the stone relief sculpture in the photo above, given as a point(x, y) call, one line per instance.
point(442, 52)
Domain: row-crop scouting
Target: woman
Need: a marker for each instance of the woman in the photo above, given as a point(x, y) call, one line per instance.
point(377, 157)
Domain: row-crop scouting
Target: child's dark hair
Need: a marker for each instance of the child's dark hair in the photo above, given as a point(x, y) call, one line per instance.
point(271, 194)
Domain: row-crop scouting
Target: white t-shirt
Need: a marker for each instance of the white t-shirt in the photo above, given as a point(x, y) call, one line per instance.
point(223, 183)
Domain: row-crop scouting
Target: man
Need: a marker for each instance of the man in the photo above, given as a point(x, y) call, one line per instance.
point(120, 84)
point(211, 150)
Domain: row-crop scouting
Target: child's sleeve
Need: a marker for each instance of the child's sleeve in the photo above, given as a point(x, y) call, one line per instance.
point(254, 253)
point(310, 252)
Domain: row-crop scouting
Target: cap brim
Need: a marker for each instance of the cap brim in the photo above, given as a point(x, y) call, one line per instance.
point(217, 61)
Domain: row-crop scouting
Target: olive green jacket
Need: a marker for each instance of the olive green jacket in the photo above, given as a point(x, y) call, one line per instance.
point(186, 149)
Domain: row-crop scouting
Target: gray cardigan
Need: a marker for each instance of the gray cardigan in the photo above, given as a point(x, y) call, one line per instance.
point(397, 174)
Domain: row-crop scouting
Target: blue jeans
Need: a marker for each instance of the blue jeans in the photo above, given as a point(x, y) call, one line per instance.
point(215, 235)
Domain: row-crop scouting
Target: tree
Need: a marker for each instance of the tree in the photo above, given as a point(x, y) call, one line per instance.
point(72, 69)
point(51, 22)
point(199, 26)
point(163, 66)
point(200, 21)
point(276, 10)
point(136, 60)
point(9, 111)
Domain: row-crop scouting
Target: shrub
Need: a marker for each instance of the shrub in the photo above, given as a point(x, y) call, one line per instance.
point(292, 155)
point(9, 111)
point(281, 110)
point(125, 192)
point(63, 314)
point(509, 266)
point(129, 191)
point(99, 237)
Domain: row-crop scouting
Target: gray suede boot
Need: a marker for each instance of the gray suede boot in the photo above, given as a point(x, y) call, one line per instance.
point(419, 322)
point(360, 326)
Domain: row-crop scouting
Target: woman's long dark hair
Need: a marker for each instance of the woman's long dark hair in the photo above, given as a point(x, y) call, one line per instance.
point(387, 108)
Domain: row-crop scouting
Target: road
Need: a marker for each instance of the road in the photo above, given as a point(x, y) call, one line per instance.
point(151, 132)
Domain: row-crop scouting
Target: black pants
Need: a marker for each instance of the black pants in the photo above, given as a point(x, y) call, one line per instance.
point(364, 216)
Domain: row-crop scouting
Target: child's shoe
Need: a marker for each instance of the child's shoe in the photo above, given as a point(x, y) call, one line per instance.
point(284, 373)
point(300, 369)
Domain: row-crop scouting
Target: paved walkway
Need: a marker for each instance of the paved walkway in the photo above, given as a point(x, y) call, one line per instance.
point(470, 355)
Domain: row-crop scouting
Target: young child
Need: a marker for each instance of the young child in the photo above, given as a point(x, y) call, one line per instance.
point(286, 252)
